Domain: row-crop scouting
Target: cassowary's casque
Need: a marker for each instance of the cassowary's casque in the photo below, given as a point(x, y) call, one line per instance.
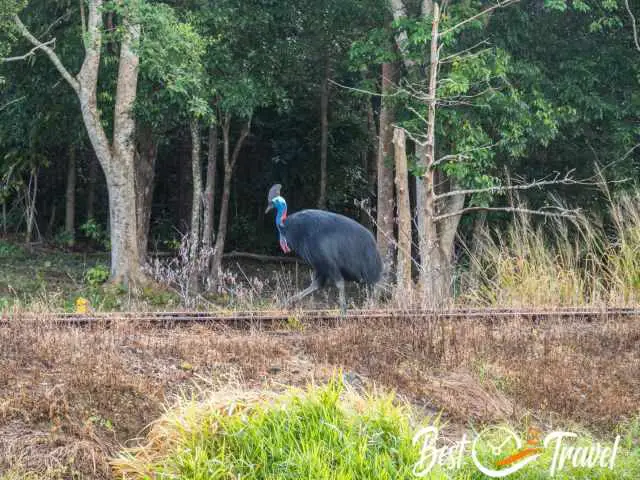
point(337, 247)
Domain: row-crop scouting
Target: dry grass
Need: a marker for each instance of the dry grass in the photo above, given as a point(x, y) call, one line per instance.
point(574, 262)
point(586, 372)
point(69, 398)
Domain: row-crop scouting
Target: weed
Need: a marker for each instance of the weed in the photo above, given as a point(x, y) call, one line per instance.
point(96, 232)
point(97, 275)
point(9, 249)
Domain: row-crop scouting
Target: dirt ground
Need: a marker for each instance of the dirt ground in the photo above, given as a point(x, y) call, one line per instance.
point(71, 397)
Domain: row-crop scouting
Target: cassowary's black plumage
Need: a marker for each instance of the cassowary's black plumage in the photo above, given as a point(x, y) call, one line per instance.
point(338, 248)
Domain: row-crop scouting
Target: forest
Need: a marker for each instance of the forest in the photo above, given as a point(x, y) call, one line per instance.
point(135, 127)
point(489, 150)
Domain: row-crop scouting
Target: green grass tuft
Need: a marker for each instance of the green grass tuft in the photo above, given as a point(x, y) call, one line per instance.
point(328, 432)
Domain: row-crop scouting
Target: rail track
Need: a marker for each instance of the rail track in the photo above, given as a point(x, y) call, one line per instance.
point(275, 318)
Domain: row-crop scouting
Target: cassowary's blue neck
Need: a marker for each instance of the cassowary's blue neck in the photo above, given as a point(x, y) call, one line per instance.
point(281, 212)
point(281, 216)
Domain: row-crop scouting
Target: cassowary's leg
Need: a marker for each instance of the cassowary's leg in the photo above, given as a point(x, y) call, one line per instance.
point(343, 300)
point(315, 285)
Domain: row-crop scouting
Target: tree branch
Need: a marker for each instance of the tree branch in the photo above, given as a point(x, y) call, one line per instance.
point(93, 45)
point(64, 16)
point(549, 212)
point(15, 100)
point(466, 50)
point(506, 3)
point(366, 92)
point(634, 26)
point(243, 135)
point(462, 155)
point(30, 53)
point(83, 21)
point(446, 158)
point(566, 180)
point(50, 53)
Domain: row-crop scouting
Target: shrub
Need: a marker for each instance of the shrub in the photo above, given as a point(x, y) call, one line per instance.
point(97, 275)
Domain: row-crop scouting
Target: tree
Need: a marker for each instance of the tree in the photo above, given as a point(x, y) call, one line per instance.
point(385, 204)
point(403, 263)
point(116, 156)
point(238, 30)
point(468, 76)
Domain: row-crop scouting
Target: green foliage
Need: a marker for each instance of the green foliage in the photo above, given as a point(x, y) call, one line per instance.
point(97, 275)
point(525, 97)
point(326, 432)
point(63, 239)
point(96, 232)
point(171, 64)
point(8, 34)
point(9, 249)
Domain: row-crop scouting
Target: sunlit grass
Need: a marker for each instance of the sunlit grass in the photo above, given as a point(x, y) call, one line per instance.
point(328, 432)
point(323, 433)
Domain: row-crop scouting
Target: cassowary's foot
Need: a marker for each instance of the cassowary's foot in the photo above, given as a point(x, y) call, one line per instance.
point(315, 285)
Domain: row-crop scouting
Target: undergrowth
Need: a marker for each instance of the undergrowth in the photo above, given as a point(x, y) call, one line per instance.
point(570, 261)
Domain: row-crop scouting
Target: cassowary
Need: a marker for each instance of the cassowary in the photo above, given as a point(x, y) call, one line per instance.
point(338, 248)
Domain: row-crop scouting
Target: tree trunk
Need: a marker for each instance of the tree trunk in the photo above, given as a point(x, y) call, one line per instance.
point(218, 249)
point(384, 217)
point(324, 135)
point(403, 268)
point(196, 175)
point(125, 255)
point(372, 170)
point(70, 197)
point(369, 161)
point(196, 203)
point(52, 220)
point(229, 165)
point(146, 157)
point(125, 267)
point(91, 187)
point(210, 188)
point(31, 193)
point(4, 217)
point(432, 278)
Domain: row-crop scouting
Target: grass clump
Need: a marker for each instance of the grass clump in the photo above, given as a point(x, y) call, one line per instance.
point(333, 432)
point(324, 433)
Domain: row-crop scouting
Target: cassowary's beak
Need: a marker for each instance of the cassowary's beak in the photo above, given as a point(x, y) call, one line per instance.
point(269, 208)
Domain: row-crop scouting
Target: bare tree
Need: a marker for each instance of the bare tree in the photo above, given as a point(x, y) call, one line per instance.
point(116, 157)
point(403, 207)
point(210, 188)
point(385, 204)
point(324, 133)
point(229, 160)
point(70, 196)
